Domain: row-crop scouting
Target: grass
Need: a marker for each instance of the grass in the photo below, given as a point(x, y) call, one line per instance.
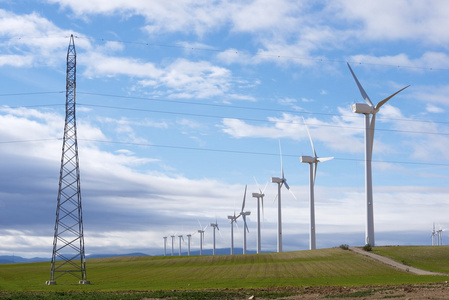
point(219, 277)
point(430, 258)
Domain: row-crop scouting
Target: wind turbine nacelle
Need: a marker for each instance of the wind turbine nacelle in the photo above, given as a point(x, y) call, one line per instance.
point(276, 180)
point(258, 195)
point(307, 159)
point(362, 108)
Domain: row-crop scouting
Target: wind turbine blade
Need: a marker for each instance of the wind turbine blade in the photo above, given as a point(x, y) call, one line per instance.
point(244, 198)
point(292, 194)
point(286, 185)
point(258, 186)
point(265, 187)
point(280, 153)
point(389, 97)
point(310, 137)
point(362, 91)
point(263, 214)
point(199, 223)
point(275, 198)
point(323, 159)
point(314, 173)
point(371, 136)
point(246, 225)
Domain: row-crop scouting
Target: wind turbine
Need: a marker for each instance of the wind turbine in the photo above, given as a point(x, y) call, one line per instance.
point(244, 213)
point(440, 236)
point(215, 226)
point(280, 182)
point(180, 237)
point(201, 232)
point(313, 163)
point(259, 197)
point(188, 243)
point(233, 219)
point(165, 245)
point(172, 244)
point(433, 234)
point(369, 109)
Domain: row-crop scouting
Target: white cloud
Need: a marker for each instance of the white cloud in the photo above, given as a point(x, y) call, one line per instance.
point(397, 20)
point(428, 61)
point(434, 109)
point(342, 128)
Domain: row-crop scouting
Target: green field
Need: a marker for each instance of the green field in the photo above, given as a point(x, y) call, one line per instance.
point(335, 267)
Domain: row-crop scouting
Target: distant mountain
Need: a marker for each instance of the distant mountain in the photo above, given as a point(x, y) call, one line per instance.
point(10, 259)
point(115, 255)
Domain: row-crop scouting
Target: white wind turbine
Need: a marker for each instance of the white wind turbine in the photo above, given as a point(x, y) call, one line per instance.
point(215, 226)
point(181, 237)
point(233, 220)
point(165, 245)
point(172, 244)
point(313, 163)
point(244, 213)
point(369, 109)
point(189, 236)
point(259, 197)
point(201, 232)
point(439, 233)
point(280, 182)
point(433, 234)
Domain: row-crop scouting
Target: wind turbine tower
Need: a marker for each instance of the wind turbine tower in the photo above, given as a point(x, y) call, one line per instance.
point(180, 238)
point(259, 197)
point(189, 236)
point(280, 182)
point(233, 219)
point(369, 109)
point(68, 256)
point(313, 163)
point(215, 226)
point(172, 244)
point(165, 245)
point(244, 213)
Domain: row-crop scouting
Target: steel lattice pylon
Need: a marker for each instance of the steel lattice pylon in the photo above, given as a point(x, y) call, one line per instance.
point(68, 244)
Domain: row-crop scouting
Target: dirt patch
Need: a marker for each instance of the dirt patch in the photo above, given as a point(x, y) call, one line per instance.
point(428, 291)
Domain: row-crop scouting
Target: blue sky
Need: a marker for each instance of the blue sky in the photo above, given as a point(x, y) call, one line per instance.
point(181, 104)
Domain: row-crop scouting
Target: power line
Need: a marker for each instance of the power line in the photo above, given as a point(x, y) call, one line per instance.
point(217, 150)
point(164, 100)
point(250, 119)
point(236, 52)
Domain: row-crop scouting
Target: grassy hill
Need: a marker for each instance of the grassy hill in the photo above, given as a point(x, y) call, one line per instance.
point(335, 267)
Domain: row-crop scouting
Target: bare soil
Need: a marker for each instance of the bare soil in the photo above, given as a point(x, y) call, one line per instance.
point(428, 291)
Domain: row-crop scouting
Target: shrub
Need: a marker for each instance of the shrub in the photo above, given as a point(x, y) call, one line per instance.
point(367, 247)
point(344, 246)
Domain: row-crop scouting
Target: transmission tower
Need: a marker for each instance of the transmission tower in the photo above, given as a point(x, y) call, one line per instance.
point(68, 244)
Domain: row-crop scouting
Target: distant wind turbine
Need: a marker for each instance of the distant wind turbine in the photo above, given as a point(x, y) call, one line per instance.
point(244, 213)
point(259, 197)
point(215, 226)
point(280, 182)
point(189, 236)
point(369, 109)
point(180, 238)
point(165, 246)
point(172, 244)
point(201, 232)
point(233, 220)
point(433, 234)
point(313, 163)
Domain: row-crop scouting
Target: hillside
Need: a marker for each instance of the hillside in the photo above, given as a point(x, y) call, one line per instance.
point(326, 267)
